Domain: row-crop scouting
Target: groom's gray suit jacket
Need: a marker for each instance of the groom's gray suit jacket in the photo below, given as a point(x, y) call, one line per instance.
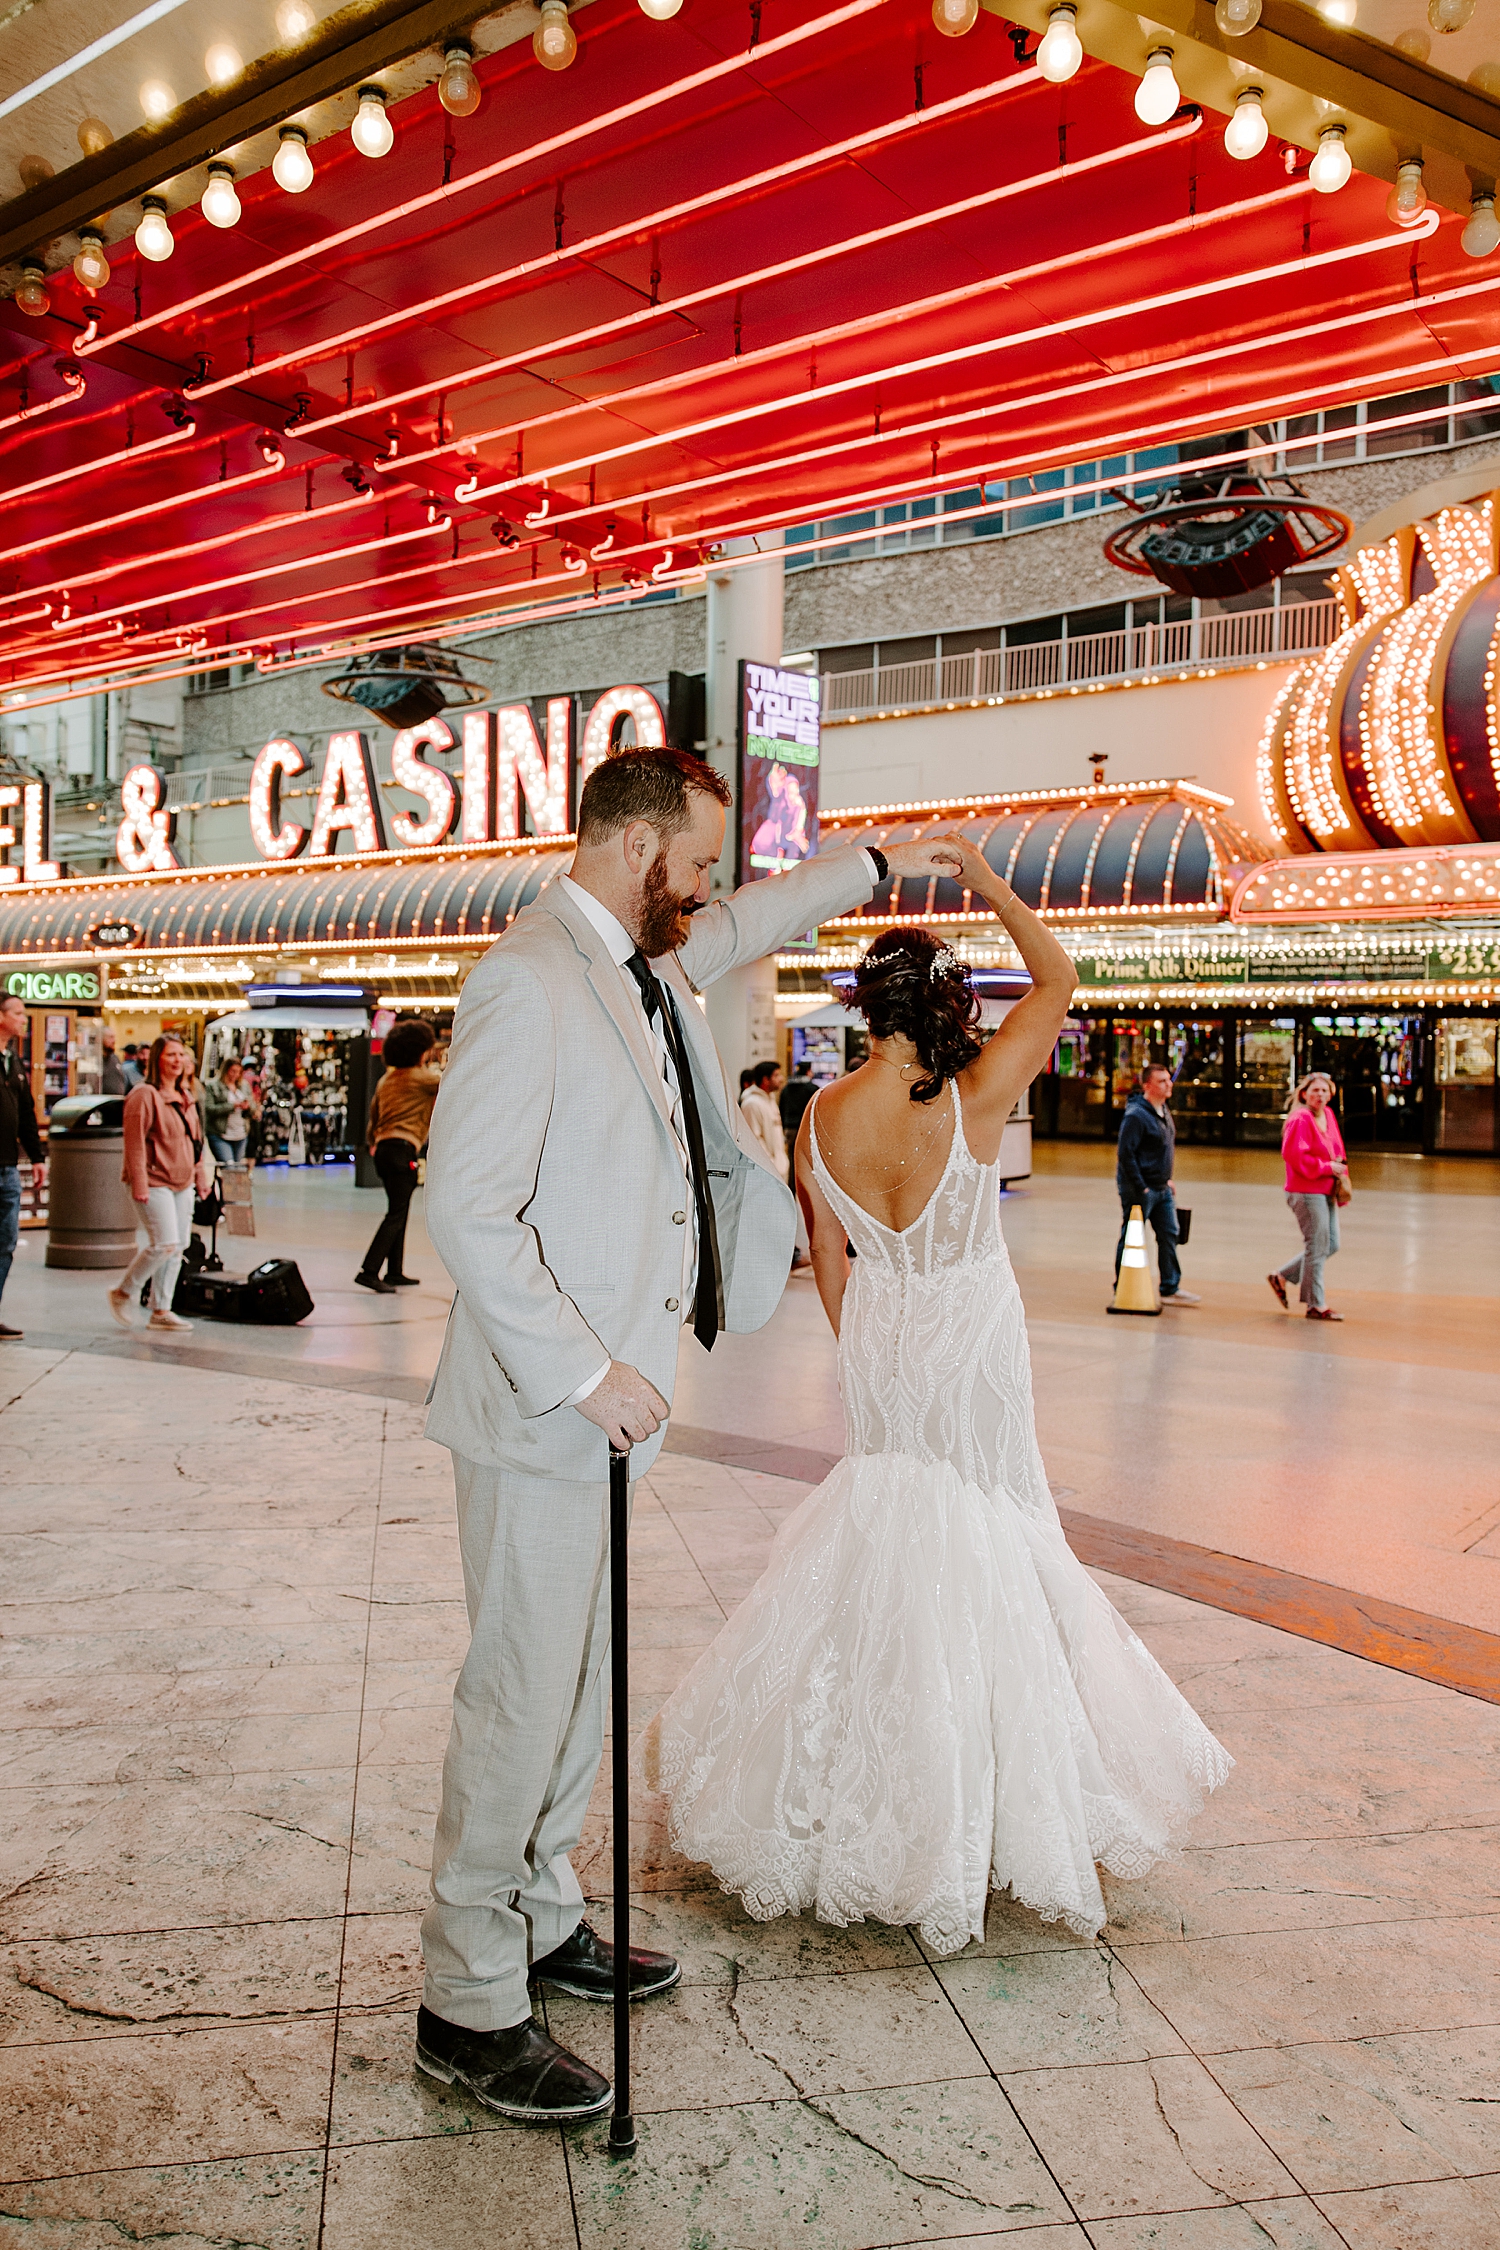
point(556, 1195)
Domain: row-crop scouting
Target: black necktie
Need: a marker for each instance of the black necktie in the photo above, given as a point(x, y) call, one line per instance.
point(707, 1297)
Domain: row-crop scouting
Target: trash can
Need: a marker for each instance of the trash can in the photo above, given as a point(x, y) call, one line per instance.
point(91, 1217)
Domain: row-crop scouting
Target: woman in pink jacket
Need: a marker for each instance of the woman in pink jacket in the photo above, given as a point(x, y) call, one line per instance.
point(1312, 1148)
point(164, 1162)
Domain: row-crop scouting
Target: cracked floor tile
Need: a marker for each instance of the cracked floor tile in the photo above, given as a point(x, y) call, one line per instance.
point(251, 2203)
point(509, 2188)
point(1125, 2138)
point(109, 1987)
point(1032, 2010)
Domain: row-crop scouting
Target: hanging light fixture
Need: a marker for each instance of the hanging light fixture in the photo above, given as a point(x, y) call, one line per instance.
point(1331, 167)
point(660, 11)
point(1158, 95)
point(91, 267)
point(1235, 17)
point(1059, 53)
point(1408, 198)
point(220, 205)
point(294, 20)
point(458, 88)
point(1449, 15)
point(153, 237)
point(1247, 131)
point(954, 17)
point(292, 167)
point(372, 131)
point(1481, 237)
point(553, 42)
point(31, 294)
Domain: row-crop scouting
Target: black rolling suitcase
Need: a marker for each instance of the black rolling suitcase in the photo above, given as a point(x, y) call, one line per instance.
point(273, 1296)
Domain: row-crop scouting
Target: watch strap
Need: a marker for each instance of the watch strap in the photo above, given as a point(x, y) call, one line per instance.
point(882, 864)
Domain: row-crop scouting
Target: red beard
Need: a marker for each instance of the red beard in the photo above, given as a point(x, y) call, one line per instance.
point(664, 924)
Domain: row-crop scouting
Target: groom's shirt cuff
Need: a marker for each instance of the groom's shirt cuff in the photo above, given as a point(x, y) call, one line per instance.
point(587, 1390)
point(874, 870)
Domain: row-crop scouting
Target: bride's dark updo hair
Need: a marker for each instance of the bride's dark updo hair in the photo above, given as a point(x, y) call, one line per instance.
point(910, 982)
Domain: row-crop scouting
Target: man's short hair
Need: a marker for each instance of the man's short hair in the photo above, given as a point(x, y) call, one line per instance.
point(1147, 1070)
point(650, 785)
point(761, 1071)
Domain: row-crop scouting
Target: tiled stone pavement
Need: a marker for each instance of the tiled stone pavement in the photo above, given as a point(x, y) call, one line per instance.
point(226, 1664)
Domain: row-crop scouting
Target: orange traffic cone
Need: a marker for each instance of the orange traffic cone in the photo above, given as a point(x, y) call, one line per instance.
point(1135, 1292)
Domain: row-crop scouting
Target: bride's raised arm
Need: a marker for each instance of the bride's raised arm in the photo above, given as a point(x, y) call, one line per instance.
point(993, 1083)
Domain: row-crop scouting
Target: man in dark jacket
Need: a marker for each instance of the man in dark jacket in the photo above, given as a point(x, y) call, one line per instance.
point(17, 1132)
point(1143, 1175)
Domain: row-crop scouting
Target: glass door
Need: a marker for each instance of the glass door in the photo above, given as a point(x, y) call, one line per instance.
point(1268, 1064)
point(1465, 1085)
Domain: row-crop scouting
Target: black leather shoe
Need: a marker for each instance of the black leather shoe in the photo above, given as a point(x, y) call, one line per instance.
point(403, 1281)
point(373, 1281)
point(585, 1966)
point(519, 2073)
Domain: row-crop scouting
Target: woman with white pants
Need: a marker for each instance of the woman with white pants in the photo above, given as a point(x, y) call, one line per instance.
point(164, 1167)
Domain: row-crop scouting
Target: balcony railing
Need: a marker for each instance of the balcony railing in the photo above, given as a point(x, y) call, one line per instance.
point(1240, 637)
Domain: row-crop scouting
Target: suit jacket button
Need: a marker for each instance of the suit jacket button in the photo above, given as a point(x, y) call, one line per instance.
point(671, 1304)
point(679, 1218)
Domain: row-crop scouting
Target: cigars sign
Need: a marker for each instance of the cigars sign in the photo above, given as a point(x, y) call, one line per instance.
point(504, 768)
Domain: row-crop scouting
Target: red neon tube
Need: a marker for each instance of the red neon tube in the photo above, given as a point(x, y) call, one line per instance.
point(592, 245)
point(645, 105)
point(161, 507)
point(88, 468)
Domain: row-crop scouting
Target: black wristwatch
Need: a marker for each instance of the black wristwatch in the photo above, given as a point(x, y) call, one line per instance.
point(882, 864)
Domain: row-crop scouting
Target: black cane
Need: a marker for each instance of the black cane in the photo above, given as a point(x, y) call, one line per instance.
point(621, 2123)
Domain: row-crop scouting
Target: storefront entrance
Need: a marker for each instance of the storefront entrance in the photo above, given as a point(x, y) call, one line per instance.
point(1409, 1080)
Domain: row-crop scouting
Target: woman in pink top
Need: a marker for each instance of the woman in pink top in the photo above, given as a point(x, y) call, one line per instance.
point(164, 1162)
point(1312, 1148)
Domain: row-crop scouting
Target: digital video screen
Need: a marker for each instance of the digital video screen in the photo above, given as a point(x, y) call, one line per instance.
point(779, 745)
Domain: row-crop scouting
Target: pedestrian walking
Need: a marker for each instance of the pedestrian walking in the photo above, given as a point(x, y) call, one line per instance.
point(400, 1115)
point(1144, 1158)
point(1317, 1183)
point(759, 1110)
point(165, 1161)
point(792, 1101)
point(112, 1079)
point(229, 1107)
point(18, 1135)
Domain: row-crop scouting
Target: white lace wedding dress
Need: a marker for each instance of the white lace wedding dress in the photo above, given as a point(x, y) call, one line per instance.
point(926, 1695)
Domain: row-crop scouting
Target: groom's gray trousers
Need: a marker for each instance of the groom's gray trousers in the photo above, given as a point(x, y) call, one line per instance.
point(527, 1738)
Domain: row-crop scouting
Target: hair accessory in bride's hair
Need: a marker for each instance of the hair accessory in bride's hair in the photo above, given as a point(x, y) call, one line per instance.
point(944, 962)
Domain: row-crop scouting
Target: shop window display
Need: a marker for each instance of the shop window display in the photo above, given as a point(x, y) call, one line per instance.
point(1465, 1081)
point(1375, 1062)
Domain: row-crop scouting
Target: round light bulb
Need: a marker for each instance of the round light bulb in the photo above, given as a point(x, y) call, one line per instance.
point(34, 170)
point(954, 17)
point(1413, 43)
point(91, 267)
point(1331, 167)
point(222, 63)
point(1158, 95)
point(458, 88)
point(1481, 237)
point(1235, 17)
point(157, 99)
point(1408, 198)
point(220, 205)
point(1341, 12)
point(372, 131)
point(1247, 132)
point(153, 237)
point(94, 136)
point(31, 295)
point(292, 167)
point(1449, 15)
point(294, 20)
point(1059, 53)
point(1485, 79)
point(660, 11)
point(553, 42)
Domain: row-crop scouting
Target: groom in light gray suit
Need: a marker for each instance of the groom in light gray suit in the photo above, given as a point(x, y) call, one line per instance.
point(591, 1189)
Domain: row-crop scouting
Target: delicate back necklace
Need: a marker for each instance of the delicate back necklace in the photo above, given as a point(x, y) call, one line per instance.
point(893, 1175)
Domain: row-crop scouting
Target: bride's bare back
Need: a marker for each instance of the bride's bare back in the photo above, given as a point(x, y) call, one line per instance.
point(884, 1150)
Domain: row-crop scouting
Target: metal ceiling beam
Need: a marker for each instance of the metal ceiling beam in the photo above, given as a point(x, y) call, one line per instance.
point(348, 47)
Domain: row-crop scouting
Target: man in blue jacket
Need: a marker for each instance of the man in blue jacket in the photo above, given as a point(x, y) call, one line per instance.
point(1143, 1175)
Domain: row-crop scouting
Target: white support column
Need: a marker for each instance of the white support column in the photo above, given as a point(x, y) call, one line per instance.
point(744, 621)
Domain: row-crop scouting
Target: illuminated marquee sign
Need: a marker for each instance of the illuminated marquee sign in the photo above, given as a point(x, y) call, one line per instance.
point(780, 738)
point(507, 771)
point(70, 985)
point(26, 819)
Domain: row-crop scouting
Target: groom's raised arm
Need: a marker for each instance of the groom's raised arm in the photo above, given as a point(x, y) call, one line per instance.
point(758, 917)
point(484, 1153)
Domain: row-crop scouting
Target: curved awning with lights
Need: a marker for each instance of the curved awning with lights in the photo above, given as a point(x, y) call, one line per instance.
point(1144, 848)
point(396, 903)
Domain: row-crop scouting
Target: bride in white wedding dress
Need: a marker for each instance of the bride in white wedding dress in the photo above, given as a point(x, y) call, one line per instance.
point(926, 1696)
